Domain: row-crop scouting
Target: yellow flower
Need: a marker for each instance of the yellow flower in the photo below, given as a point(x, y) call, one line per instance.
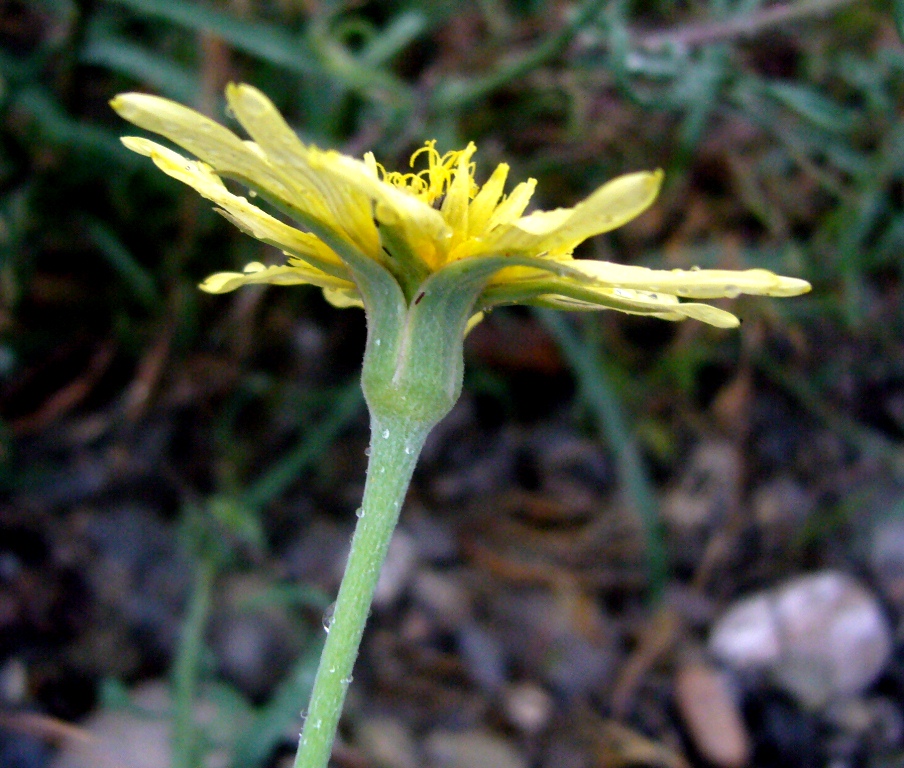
point(419, 223)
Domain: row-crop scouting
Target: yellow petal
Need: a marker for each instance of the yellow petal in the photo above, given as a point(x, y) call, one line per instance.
point(474, 321)
point(611, 206)
point(486, 200)
point(695, 284)
point(458, 197)
point(211, 142)
point(342, 298)
point(513, 206)
point(423, 226)
point(297, 273)
point(242, 213)
point(663, 306)
point(349, 210)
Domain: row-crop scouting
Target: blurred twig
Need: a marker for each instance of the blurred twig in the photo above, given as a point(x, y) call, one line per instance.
point(741, 26)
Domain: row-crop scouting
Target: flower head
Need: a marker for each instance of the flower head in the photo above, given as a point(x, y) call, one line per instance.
point(352, 214)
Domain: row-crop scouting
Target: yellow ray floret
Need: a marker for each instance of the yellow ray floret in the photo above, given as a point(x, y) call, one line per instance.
point(347, 212)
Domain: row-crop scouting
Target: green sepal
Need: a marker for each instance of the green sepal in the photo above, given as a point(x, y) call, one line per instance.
point(414, 362)
point(408, 268)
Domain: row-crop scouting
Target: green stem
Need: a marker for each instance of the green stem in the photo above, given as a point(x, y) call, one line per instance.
point(185, 673)
point(394, 450)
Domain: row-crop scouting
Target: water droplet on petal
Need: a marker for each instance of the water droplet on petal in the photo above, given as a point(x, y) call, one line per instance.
point(359, 512)
point(378, 342)
point(386, 434)
point(732, 291)
point(367, 451)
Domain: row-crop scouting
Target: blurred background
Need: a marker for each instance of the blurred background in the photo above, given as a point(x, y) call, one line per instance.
point(632, 543)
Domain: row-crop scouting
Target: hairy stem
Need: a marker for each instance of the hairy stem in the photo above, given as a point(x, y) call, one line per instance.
point(394, 449)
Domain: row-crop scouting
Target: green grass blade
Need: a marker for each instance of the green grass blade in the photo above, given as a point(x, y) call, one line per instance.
point(280, 714)
point(139, 280)
point(253, 37)
point(589, 369)
point(126, 58)
point(347, 406)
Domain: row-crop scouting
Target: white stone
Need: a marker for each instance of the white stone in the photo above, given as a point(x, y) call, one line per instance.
point(140, 738)
point(820, 637)
point(388, 742)
point(449, 749)
point(528, 707)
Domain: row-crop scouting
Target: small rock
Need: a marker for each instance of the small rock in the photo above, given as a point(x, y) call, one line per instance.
point(137, 737)
point(781, 507)
point(13, 682)
point(528, 707)
point(820, 637)
point(710, 710)
point(252, 636)
point(708, 488)
point(387, 743)
point(886, 559)
point(483, 654)
point(446, 749)
point(443, 596)
point(707, 493)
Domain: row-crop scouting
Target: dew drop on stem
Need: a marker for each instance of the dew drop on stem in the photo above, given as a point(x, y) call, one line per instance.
point(328, 618)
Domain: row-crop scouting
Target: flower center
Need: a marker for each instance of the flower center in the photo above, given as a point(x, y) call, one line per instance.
point(432, 183)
